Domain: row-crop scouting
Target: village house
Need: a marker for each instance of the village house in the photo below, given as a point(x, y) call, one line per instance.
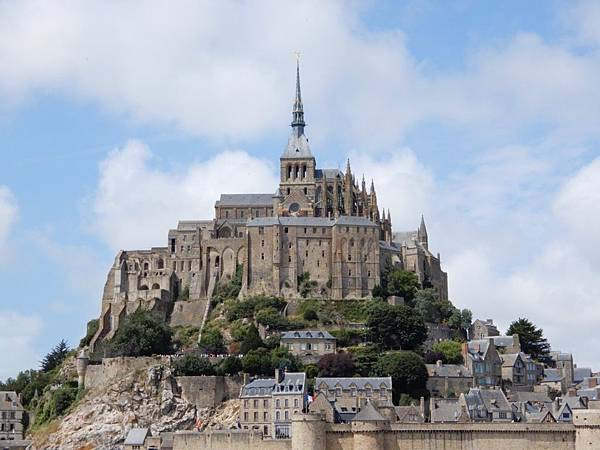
point(481, 329)
point(483, 361)
point(519, 371)
point(267, 405)
point(308, 345)
point(11, 416)
point(448, 380)
point(350, 394)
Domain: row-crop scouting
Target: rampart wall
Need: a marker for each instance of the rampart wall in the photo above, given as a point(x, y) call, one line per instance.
point(227, 440)
point(97, 375)
point(209, 391)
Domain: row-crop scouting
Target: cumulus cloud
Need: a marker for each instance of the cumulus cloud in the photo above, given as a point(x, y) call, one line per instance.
point(17, 334)
point(223, 70)
point(135, 204)
point(8, 215)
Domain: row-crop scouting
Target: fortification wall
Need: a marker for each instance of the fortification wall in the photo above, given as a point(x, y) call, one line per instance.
point(472, 436)
point(209, 391)
point(227, 440)
point(114, 368)
point(188, 313)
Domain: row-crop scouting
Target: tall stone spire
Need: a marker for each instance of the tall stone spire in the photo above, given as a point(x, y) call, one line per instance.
point(422, 233)
point(298, 111)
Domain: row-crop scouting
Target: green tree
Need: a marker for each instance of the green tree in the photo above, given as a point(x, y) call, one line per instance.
point(365, 357)
point(281, 358)
point(460, 320)
point(451, 351)
point(212, 342)
point(232, 365)
point(257, 362)
point(91, 329)
point(426, 304)
point(408, 372)
point(251, 340)
point(142, 333)
point(531, 338)
point(271, 318)
point(193, 365)
point(401, 283)
point(55, 357)
point(395, 327)
point(336, 365)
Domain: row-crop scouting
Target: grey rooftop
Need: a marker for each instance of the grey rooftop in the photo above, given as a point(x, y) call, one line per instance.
point(245, 200)
point(307, 334)
point(136, 436)
point(358, 382)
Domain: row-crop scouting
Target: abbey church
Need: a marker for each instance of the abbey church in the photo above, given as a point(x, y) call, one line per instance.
point(318, 225)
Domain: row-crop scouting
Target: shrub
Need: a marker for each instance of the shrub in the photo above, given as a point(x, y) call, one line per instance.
point(232, 365)
point(141, 334)
point(336, 365)
point(365, 358)
point(212, 342)
point(310, 315)
point(451, 351)
point(193, 365)
point(91, 330)
point(251, 340)
point(408, 372)
point(185, 336)
point(257, 362)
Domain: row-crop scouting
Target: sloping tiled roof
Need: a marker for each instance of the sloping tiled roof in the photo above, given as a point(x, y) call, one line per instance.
point(259, 387)
point(359, 382)
point(503, 341)
point(580, 373)
point(291, 382)
point(328, 173)
point(307, 334)
point(368, 413)
point(297, 146)
point(552, 375)
point(445, 410)
point(136, 436)
point(509, 359)
point(245, 200)
point(9, 400)
point(523, 396)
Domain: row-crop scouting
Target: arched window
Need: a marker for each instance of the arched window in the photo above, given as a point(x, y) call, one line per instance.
point(160, 264)
point(146, 266)
point(155, 286)
point(143, 287)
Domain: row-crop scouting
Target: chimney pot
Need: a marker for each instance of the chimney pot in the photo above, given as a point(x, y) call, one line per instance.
point(438, 363)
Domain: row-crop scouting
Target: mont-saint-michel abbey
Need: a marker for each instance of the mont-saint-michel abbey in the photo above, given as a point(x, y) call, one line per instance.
point(324, 224)
point(298, 319)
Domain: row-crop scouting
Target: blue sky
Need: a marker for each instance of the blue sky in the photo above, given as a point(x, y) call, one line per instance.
point(116, 120)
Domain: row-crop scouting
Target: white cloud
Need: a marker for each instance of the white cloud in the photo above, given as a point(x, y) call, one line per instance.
point(135, 204)
point(17, 333)
point(224, 70)
point(8, 216)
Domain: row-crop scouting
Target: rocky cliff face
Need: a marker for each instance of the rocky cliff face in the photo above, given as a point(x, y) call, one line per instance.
point(103, 417)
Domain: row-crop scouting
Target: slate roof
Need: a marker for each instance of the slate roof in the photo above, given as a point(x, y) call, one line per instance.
point(136, 436)
point(447, 370)
point(9, 400)
point(307, 334)
point(503, 341)
point(445, 410)
point(292, 382)
point(494, 400)
point(328, 173)
point(359, 382)
point(552, 376)
point(368, 413)
point(245, 200)
point(580, 373)
point(478, 348)
point(536, 397)
point(509, 359)
point(297, 146)
point(259, 387)
point(402, 412)
point(591, 393)
point(404, 237)
point(310, 221)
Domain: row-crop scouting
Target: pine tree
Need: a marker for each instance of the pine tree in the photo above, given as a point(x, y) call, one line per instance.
point(56, 356)
point(531, 338)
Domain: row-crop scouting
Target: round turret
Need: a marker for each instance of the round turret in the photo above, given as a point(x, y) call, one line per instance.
point(82, 364)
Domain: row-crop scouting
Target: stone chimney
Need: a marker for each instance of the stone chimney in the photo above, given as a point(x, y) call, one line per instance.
point(592, 382)
point(244, 378)
point(438, 363)
point(422, 406)
point(464, 349)
point(277, 379)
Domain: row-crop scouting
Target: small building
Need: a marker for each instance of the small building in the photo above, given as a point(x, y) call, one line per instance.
point(481, 329)
point(554, 380)
point(507, 344)
point(448, 380)
point(483, 361)
point(437, 332)
point(267, 405)
point(487, 405)
point(519, 371)
point(308, 345)
point(564, 363)
point(447, 410)
point(350, 394)
point(11, 416)
point(136, 439)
